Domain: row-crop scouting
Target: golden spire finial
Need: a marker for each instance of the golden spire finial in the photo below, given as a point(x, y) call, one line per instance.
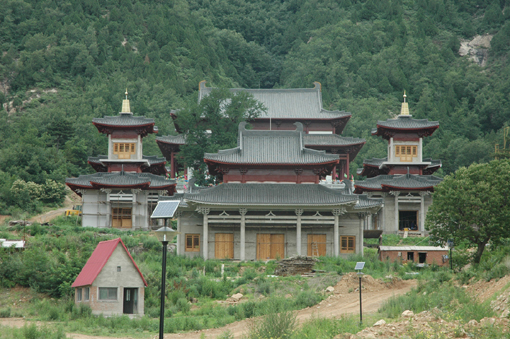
point(125, 104)
point(405, 106)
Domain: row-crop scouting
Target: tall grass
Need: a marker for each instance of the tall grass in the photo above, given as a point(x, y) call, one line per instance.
point(441, 294)
point(322, 328)
point(277, 323)
point(32, 332)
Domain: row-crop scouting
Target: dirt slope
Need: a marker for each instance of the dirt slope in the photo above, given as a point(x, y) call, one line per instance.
point(340, 302)
point(430, 324)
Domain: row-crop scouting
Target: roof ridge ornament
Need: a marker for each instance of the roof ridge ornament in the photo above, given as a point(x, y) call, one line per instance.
point(126, 109)
point(405, 106)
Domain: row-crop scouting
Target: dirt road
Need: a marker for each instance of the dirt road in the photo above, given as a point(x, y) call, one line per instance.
point(71, 199)
point(344, 300)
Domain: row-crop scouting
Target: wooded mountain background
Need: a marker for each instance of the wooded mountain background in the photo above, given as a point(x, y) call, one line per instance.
point(66, 62)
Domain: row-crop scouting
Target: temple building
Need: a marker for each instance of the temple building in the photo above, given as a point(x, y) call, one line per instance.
point(270, 204)
point(125, 189)
point(404, 178)
point(322, 128)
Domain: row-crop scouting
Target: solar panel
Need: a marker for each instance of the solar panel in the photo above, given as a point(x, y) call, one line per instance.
point(165, 209)
point(359, 265)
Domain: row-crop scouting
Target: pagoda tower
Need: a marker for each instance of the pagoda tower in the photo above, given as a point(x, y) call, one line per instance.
point(125, 189)
point(404, 178)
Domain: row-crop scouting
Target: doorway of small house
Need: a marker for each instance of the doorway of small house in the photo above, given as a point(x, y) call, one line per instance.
point(130, 301)
point(422, 257)
point(410, 256)
point(408, 219)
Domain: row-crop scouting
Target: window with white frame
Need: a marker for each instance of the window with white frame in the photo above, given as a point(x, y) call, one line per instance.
point(107, 293)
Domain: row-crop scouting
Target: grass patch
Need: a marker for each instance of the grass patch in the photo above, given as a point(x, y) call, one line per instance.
point(32, 332)
point(441, 294)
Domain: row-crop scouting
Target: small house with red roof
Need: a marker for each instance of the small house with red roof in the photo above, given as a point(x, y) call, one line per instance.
point(110, 282)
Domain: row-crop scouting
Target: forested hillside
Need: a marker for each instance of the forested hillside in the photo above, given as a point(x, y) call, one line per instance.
point(65, 62)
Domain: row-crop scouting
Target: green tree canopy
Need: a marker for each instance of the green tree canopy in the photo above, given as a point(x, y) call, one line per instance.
point(212, 124)
point(471, 206)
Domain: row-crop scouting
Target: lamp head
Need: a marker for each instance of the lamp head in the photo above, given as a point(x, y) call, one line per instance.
point(165, 234)
point(449, 242)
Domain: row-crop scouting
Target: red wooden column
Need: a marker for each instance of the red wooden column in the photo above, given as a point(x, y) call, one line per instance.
point(333, 174)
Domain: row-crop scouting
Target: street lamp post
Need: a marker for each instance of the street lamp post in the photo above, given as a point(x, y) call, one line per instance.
point(359, 267)
point(164, 234)
point(450, 245)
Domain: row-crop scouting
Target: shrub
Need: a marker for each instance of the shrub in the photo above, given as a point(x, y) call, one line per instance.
point(497, 272)
point(307, 299)
point(5, 313)
point(249, 274)
point(276, 325)
point(226, 335)
point(183, 305)
point(264, 287)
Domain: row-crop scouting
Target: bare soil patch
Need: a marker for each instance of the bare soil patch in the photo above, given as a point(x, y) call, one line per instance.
point(70, 200)
point(338, 303)
point(427, 324)
point(431, 323)
point(484, 290)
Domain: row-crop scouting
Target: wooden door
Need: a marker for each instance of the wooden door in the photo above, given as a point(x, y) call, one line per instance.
point(277, 246)
point(224, 246)
point(270, 246)
point(318, 241)
point(121, 218)
point(263, 246)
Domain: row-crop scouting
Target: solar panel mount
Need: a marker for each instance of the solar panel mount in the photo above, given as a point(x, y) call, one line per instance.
point(165, 209)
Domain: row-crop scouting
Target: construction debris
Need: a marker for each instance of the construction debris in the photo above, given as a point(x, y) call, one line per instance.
point(295, 265)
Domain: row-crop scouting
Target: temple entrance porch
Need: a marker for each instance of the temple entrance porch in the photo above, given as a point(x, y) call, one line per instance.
point(264, 235)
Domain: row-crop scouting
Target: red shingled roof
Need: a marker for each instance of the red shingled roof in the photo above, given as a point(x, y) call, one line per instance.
point(97, 260)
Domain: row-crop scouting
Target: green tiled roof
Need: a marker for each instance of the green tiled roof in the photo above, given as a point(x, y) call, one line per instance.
point(330, 140)
point(172, 139)
point(271, 194)
point(124, 119)
point(152, 159)
point(271, 147)
point(296, 103)
point(405, 122)
point(397, 182)
point(120, 179)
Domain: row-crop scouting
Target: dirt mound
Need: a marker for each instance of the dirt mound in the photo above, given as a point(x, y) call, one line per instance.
point(350, 283)
point(427, 324)
point(484, 290)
